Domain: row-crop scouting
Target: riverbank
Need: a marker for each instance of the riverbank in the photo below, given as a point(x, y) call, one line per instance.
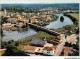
point(74, 17)
point(40, 34)
point(70, 29)
point(46, 22)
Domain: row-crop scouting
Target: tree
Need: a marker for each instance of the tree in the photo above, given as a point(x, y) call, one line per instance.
point(29, 20)
point(17, 43)
point(14, 51)
point(4, 44)
point(3, 19)
point(11, 42)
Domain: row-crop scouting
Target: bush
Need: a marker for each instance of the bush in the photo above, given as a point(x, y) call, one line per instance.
point(4, 44)
point(13, 28)
point(11, 48)
point(13, 51)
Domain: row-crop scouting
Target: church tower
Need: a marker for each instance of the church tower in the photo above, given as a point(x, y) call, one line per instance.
point(5, 12)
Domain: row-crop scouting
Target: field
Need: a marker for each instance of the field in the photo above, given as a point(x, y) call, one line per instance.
point(70, 29)
point(40, 34)
point(75, 15)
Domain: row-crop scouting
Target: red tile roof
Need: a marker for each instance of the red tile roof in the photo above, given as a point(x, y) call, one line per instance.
point(28, 47)
point(66, 49)
point(48, 48)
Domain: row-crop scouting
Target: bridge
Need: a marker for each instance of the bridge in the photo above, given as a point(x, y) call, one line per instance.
point(43, 29)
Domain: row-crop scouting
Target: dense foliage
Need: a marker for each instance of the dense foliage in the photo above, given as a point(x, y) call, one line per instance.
point(12, 49)
point(3, 19)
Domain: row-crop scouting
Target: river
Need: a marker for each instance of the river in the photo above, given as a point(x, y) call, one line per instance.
point(58, 23)
point(15, 35)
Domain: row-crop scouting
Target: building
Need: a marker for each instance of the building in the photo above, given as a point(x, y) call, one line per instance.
point(7, 25)
point(11, 20)
point(48, 51)
point(72, 39)
point(48, 45)
point(38, 42)
point(21, 19)
point(29, 49)
point(62, 37)
point(67, 51)
point(5, 12)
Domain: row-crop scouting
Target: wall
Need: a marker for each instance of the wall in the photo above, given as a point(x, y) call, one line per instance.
point(30, 51)
point(51, 52)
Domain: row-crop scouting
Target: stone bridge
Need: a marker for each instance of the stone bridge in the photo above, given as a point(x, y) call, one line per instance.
point(43, 29)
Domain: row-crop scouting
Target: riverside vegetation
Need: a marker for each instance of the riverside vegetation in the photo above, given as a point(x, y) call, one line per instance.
point(70, 29)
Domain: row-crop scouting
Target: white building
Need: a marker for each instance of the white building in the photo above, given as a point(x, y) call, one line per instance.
point(29, 49)
point(7, 25)
point(72, 39)
point(48, 51)
point(62, 37)
point(5, 12)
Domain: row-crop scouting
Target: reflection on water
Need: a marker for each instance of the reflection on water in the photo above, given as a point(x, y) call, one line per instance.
point(16, 35)
point(59, 23)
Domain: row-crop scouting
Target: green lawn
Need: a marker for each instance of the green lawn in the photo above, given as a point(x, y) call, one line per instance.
point(75, 15)
point(40, 34)
point(68, 30)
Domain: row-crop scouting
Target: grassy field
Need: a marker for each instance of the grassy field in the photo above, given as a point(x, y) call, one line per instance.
point(68, 30)
point(40, 34)
point(75, 15)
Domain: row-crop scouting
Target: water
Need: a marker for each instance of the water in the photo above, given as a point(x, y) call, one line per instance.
point(15, 35)
point(58, 23)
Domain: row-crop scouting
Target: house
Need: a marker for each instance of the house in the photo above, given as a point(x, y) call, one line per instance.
point(29, 49)
point(11, 20)
point(67, 51)
point(7, 25)
point(21, 19)
point(38, 42)
point(48, 45)
point(62, 37)
point(48, 51)
point(72, 39)
point(20, 24)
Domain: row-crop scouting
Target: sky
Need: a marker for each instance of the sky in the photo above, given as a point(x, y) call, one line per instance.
point(38, 1)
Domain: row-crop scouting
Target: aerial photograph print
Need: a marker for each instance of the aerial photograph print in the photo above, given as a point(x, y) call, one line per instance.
point(39, 28)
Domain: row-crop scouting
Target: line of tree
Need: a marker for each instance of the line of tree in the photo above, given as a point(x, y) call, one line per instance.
point(14, 9)
point(11, 48)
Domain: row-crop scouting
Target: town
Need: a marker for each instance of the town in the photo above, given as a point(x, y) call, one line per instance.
point(45, 41)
